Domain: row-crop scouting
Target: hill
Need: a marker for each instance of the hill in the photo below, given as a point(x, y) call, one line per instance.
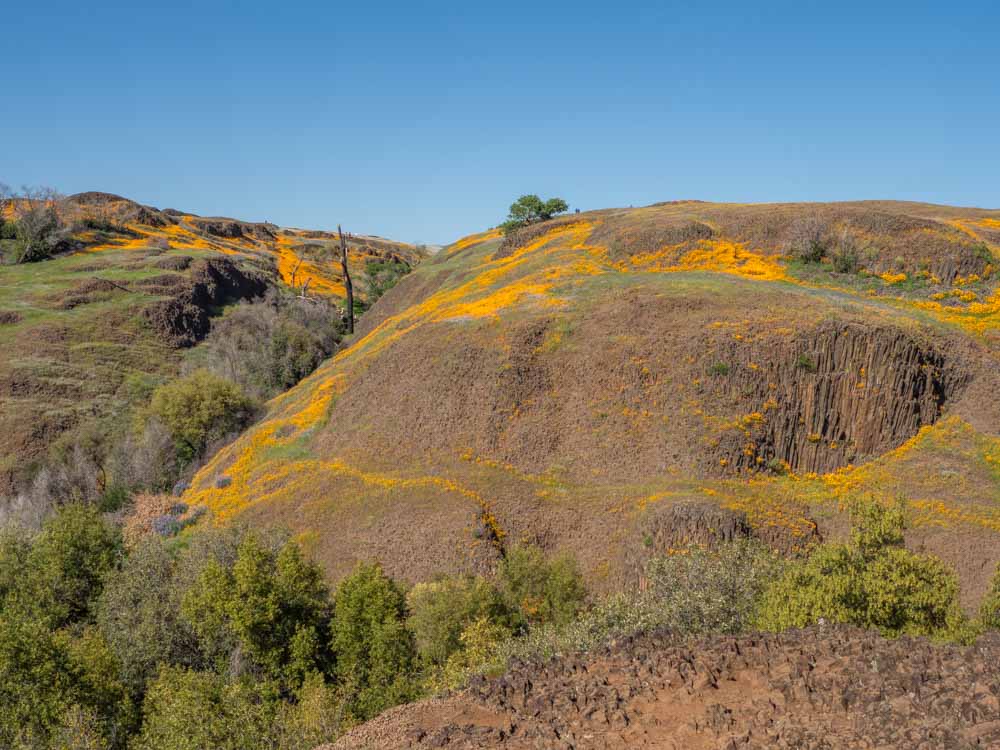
point(131, 287)
point(580, 383)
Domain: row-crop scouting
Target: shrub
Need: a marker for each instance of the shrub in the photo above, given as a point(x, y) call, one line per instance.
point(269, 345)
point(66, 566)
point(480, 641)
point(989, 610)
point(872, 581)
point(270, 604)
point(710, 591)
point(719, 369)
point(441, 610)
point(846, 256)
point(200, 409)
point(381, 276)
point(373, 649)
point(542, 591)
point(805, 362)
point(38, 233)
point(808, 240)
point(530, 209)
point(138, 614)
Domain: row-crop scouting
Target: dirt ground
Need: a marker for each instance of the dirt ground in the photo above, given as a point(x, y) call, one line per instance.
point(822, 688)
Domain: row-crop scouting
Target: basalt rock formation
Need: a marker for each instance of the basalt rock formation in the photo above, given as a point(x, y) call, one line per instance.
point(815, 689)
point(834, 395)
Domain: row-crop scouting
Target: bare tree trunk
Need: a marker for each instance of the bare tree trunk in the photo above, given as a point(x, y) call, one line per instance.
point(347, 281)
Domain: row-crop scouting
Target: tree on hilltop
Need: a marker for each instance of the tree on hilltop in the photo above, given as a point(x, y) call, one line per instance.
point(530, 209)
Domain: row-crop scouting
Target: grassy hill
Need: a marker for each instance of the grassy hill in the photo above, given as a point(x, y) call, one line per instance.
point(572, 385)
point(132, 287)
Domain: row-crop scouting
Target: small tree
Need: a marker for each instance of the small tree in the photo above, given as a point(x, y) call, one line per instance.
point(530, 209)
point(873, 581)
point(200, 409)
point(543, 591)
point(39, 229)
point(373, 649)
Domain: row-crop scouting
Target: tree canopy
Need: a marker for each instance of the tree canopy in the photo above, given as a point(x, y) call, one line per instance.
point(530, 209)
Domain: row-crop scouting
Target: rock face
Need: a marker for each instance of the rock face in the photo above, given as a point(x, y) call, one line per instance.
point(823, 687)
point(832, 396)
point(184, 319)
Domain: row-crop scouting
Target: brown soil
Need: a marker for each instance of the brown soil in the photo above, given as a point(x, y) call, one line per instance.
point(820, 688)
point(184, 319)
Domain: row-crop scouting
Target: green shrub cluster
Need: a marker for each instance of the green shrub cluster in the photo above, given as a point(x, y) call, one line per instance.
point(200, 410)
point(381, 276)
point(872, 581)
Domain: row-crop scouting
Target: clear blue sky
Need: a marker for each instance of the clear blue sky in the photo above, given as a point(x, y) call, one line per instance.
point(423, 120)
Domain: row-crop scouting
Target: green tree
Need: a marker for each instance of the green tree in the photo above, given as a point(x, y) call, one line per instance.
point(872, 581)
point(199, 409)
point(373, 649)
point(66, 566)
point(273, 605)
point(139, 615)
point(183, 710)
point(381, 276)
point(530, 209)
point(441, 610)
point(543, 591)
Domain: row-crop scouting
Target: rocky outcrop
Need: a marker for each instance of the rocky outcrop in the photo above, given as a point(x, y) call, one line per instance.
point(831, 396)
point(183, 320)
point(232, 229)
point(820, 688)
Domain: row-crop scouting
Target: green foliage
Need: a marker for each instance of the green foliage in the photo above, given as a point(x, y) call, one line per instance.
point(542, 591)
point(66, 565)
point(719, 369)
point(441, 610)
point(8, 230)
point(374, 650)
point(989, 610)
point(872, 581)
point(530, 209)
point(381, 276)
point(479, 643)
point(138, 614)
point(36, 681)
point(200, 409)
point(269, 345)
point(805, 362)
point(710, 591)
point(271, 605)
point(846, 257)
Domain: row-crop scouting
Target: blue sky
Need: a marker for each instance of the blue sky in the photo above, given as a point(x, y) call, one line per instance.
point(421, 121)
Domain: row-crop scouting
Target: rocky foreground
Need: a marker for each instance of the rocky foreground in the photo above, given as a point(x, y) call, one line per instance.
point(824, 687)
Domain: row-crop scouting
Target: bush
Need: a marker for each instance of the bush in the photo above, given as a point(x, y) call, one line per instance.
point(872, 581)
point(710, 591)
point(846, 257)
point(38, 233)
point(374, 651)
point(270, 604)
point(267, 346)
point(530, 209)
point(199, 410)
point(542, 591)
point(381, 276)
point(66, 566)
point(441, 610)
point(808, 239)
point(989, 610)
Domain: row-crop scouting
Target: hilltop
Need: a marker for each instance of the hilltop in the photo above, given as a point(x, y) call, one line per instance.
point(580, 383)
point(128, 290)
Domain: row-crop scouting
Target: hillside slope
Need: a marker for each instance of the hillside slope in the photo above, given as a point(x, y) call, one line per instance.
point(133, 287)
point(821, 687)
point(571, 385)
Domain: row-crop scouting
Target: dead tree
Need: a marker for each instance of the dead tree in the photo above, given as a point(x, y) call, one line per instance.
point(347, 281)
